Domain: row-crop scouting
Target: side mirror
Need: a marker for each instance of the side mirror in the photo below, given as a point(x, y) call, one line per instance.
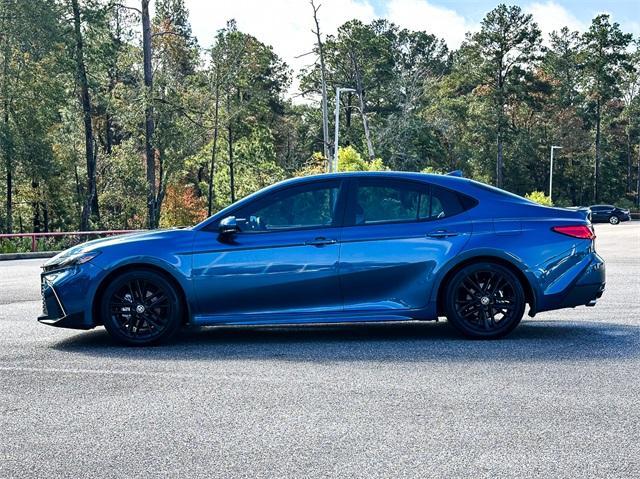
point(228, 226)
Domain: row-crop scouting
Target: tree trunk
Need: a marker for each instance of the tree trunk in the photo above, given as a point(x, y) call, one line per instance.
point(148, 117)
point(90, 200)
point(501, 123)
point(232, 186)
point(214, 147)
point(596, 175)
point(499, 162)
point(161, 188)
point(5, 120)
point(365, 123)
point(629, 161)
point(347, 118)
point(9, 168)
point(323, 76)
point(45, 216)
point(638, 180)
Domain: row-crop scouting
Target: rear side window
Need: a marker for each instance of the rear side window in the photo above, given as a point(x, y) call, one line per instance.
point(445, 203)
point(383, 201)
point(379, 203)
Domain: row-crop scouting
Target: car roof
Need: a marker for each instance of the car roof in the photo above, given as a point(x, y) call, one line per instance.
point(444, 180)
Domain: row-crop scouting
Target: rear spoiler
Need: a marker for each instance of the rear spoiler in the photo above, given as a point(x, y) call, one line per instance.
point(584, 211)
point(457, 173)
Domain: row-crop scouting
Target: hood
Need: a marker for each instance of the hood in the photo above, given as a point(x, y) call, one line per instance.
point(97, 245)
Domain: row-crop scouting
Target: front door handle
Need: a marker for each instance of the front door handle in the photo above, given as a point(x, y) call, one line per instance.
point(320, 242)
point(442, 234)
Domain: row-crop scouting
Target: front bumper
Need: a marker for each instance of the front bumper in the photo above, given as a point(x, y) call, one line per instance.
point(65, 297)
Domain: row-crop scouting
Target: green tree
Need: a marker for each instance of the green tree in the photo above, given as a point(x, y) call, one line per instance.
point(501, 57)
point(604, 59)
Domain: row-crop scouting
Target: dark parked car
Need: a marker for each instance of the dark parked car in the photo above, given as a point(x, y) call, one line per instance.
point(609, 214)
point(336, 248)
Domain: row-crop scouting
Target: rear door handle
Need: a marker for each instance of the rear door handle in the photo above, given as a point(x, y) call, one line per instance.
point(320, 242)
point(442, 234)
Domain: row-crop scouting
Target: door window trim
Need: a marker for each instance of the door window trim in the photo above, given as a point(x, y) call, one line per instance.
point(352, 189)
point(340, 209)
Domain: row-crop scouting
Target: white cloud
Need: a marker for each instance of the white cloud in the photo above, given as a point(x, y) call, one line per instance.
point(284, 24)
point(551, 17)
point(422, 15)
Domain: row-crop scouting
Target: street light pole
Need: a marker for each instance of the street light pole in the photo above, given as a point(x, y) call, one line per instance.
point(334, 160)
point(551, 171)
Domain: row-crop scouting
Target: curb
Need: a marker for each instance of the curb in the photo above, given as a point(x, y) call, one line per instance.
point(29, 255)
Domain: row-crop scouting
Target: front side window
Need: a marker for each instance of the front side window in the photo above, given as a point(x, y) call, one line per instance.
point(307, 206)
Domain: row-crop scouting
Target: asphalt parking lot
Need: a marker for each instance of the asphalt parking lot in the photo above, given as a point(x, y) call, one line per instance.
point(559, 398)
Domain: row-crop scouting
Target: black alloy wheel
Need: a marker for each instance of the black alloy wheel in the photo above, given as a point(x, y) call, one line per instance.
point(141, 308)
point(485, 300)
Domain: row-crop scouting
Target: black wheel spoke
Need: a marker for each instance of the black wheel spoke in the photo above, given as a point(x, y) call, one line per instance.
point(157, 300)
point(470, 288)
point(485, 300)
point(141, 309)
point(140, 290)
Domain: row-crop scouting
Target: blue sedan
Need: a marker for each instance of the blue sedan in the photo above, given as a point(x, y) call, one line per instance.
point(343, 247)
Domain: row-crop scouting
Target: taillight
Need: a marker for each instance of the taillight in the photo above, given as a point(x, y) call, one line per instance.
point(576, 231)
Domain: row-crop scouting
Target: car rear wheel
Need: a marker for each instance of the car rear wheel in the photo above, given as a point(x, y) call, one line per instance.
point(141, 308)
point(614, 220)
point(484, 300)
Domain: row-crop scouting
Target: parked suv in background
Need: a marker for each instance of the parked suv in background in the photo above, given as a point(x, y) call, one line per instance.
point(609, 213)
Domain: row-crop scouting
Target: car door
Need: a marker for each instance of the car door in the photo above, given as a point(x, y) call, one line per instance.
point(397, 233)
point(601, 213)
point(284, 259)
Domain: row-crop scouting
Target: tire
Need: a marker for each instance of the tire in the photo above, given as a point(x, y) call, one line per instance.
point(141, 308)
point(614, 220)
point(471, 297)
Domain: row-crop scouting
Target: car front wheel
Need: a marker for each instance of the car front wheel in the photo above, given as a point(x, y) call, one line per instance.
point(140, 308)
point(614, 220)
point(484, 301)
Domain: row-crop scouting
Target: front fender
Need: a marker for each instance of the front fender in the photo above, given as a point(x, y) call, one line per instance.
point(177, 266)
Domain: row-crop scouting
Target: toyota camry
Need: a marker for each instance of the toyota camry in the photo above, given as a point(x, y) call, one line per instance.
point(384, 246)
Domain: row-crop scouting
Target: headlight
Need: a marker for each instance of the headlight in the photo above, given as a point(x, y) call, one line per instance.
point(70, 260)
point(78, 258)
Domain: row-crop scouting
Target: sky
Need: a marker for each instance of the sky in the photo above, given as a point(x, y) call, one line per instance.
point(286, 24)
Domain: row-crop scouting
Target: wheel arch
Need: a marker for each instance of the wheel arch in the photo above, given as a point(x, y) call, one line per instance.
point(97, 297)
point(529, 292)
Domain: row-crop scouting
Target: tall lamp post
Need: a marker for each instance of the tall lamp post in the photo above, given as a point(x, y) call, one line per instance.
point(334, 160)
point(551, 171)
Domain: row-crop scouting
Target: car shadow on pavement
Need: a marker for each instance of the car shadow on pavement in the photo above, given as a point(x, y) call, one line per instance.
point(532, 341)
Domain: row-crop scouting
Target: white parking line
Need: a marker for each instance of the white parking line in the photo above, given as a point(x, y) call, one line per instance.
point(118, 372)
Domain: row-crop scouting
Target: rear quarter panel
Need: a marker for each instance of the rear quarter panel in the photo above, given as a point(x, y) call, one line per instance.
point(519, 232)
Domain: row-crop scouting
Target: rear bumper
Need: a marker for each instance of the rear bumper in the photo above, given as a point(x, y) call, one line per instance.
point(585, 295)
point(584, 288)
